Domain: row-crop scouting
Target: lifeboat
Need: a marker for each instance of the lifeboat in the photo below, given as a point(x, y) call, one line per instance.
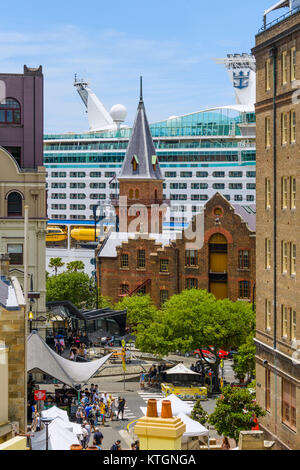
point(85, 234)
point(55, 234)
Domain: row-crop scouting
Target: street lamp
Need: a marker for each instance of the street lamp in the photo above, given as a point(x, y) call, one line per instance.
point(46, 422)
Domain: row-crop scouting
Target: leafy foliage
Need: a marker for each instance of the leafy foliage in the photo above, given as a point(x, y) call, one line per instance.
point(199, 414)
point(244, 360)
point(75, 266)
point(194, 319)
point(234, 412)
point(141, 311)
point(76, 287)
point(56, 263)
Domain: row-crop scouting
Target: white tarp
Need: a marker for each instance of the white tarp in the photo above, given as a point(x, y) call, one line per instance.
point(193, 428)
point(55, 412)
point(41, 357)
point(178, 406)
point(181, 369)
point(61, 437)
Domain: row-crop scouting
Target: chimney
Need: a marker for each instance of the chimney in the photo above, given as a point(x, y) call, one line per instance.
point(4, 265)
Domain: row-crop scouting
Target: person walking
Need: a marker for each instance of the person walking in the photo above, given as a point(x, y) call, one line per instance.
point(98, 437)
point(113, 408)
point(142, 380)
point(84, 436)
point(121, 407)
point(116, 445)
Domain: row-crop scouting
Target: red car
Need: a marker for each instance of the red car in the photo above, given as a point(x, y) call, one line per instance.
point(209, 355)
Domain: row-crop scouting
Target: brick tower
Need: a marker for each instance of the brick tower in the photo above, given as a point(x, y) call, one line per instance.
point(141, 181)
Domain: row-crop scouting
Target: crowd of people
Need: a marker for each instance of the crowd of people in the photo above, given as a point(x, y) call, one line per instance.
point(155, 375)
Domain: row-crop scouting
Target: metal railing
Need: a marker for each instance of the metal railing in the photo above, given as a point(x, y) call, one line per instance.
point(278, 20)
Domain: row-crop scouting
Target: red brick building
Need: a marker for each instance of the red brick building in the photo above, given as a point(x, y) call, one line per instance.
point(138, 260)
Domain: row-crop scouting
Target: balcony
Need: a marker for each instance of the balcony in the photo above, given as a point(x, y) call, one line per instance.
point(269, 25)
point(217, 277)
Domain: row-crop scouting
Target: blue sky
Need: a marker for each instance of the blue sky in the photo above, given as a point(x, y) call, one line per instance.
point(170, 42)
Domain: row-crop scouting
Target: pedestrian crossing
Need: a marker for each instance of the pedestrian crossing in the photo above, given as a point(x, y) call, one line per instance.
point(128, 414)
point(158, 396)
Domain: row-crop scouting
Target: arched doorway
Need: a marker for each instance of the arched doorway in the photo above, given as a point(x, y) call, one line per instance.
point(218, 263)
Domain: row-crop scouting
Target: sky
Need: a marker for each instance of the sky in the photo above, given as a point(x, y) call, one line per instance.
point(171, 43)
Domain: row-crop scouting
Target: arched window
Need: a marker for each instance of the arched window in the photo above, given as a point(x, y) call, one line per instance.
point(131, 194)
point(10, 111)
point(14, 205)
point(137, 194)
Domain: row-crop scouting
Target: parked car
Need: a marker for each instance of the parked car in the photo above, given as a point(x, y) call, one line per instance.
point(209, 355)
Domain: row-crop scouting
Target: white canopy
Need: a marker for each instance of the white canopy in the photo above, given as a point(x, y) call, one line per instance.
point(41, 357)
point(193, 428)
point(61, 437)
point(181, 369)
point(55, 412)
point(178, 406)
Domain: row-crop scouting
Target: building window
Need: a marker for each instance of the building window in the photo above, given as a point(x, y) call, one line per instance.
point(293, 325)
point(191, 258)
point(284, 128)
point(268, 389)
point(268, 74)
point(164, 265)
point(293, 64)
point(284, 193)
point(124, 260)
point(268, 132)
point(191, 283)
point(284, 68)
point(293, 259)
point(267, 253)
point(293, 192)
point(16, 153)
point(293, 126)
point(268, 313)
point(284, 257)
point(244, 290)
point(16, 254)
point(124, 289)
point(141, 259)
point(14, 205)
point(244, 259)
point(164, 295)
point(289, 404)
point(267, 193)
point(10, 111)
point(284, 321)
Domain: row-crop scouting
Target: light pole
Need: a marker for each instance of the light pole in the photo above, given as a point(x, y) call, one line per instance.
point(46, 422)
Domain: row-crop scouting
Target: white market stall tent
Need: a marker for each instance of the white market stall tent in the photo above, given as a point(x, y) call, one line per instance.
point(60, 436)
point(193, 428)
point(55, 412)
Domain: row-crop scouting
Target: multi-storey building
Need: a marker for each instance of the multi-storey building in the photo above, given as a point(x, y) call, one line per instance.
point(141, 258)
point(22, 181)
point(277, 53)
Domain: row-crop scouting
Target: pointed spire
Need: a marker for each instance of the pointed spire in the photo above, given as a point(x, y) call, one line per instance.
point(141, 90)
point(141, 149)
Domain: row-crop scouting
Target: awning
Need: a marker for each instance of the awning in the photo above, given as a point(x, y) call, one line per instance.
point(41, 357)
point(181, 369)
point(193, 428)
point(55, 412)
point(178, 406)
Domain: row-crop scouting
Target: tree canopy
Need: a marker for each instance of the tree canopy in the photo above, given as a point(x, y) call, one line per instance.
point(75, 266)
point(141, 311)
point(76, 287)
point(195, 319)
point(235, 411)
point(56, 263)
point(244, 361)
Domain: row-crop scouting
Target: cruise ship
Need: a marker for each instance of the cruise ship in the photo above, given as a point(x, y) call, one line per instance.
point(201, 153)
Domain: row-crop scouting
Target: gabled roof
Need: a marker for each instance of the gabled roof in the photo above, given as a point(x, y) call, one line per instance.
point(141, 148)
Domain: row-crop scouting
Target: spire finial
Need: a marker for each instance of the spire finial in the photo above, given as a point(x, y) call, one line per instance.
point(141, 89)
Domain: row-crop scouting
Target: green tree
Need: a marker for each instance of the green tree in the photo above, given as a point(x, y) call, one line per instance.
point(195, 319)
point(199, 414)
point(73, 286)
point(244, 361)
point(235, 411)
point(56, 263)
point(141, 311)
point(75, 266)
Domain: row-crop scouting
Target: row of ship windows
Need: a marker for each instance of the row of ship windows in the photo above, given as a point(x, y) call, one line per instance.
point(173, 197)
point(168, 174)
point(172, 185)
point(81, 207)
